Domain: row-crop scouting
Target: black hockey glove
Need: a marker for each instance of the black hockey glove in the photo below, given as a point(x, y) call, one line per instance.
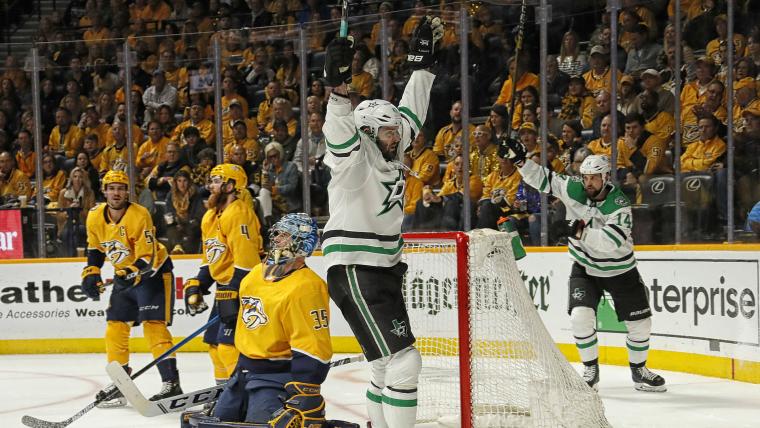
point(228, 304)
point(422, 51)
point(127, 276)
point(92, 282)
point(194, 303)
point(575, 228)
point(515, 151)
point(338, 58)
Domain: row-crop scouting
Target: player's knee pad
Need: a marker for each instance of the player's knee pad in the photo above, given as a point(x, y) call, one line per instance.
point(583, 321)
point(639, 329)
point(377, 371)
point(117, 341)
point(158, 337)
point(403, 370)
point(228, 356)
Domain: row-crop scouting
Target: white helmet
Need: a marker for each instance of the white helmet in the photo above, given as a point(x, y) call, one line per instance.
point(596, 164)
point(370, 115)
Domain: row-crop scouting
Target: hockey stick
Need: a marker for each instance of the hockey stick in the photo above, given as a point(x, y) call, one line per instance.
point(518, 48)
point(107, 392)
point(177, 403)
point(344, 19)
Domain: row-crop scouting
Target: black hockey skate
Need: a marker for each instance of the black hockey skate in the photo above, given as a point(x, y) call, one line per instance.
point(110, 398)
point(591, 376)
point(645, 380)
point(169, 389)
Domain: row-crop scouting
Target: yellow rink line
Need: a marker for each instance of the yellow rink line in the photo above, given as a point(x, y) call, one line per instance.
point(705, 365)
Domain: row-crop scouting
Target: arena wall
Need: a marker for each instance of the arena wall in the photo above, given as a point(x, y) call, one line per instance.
point(705, 301)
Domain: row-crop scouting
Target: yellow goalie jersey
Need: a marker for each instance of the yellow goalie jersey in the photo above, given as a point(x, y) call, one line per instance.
point(124, 242)
point(276, 318)
point(230, 240)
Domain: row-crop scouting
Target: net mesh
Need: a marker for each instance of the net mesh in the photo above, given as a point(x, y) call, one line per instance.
point(518, 375)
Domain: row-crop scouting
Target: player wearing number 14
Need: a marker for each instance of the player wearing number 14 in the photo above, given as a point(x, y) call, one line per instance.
point(600, 244)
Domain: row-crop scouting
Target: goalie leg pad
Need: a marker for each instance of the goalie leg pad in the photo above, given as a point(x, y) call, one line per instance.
point(374, 398)
point(117, 341)
point(305, 407)
point(400, 392)
point(637, 341)
point(583, 322)
point(264, 391)
point(232, 403)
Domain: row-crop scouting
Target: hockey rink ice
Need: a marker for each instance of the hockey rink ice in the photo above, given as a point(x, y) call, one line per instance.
point(55, 387)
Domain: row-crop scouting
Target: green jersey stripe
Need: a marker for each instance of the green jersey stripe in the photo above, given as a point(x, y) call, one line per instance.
point(411, 115)
point(597, 267)
point(345, 145)
point(612, 237)
point(348, 248)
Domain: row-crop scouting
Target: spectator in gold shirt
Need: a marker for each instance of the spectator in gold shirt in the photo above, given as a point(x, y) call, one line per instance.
point(703, 155)
point(499, 190)
point(423, 171)
point(446, 135)
point(13, 182)
point(483, 159)
point(361, 81)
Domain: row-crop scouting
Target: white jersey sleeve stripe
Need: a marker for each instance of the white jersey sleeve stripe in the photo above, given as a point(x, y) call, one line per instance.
point(347, 146)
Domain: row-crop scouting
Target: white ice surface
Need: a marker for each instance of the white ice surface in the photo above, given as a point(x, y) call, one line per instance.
point(54, 387)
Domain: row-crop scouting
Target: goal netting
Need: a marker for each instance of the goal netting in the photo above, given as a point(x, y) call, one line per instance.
point(488, 360)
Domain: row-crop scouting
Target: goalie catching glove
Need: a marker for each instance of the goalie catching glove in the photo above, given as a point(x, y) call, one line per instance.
point(92, 282)
point(194, 303)
point(422, 52)
point(338, 57)
point(304, 407)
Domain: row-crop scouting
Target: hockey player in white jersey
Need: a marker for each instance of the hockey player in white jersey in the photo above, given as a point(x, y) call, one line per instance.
point(600, 244)
point(362, 240)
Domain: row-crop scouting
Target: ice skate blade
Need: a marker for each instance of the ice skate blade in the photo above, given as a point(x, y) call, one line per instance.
point(649, 388)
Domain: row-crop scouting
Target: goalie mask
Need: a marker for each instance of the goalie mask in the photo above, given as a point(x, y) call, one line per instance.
point(295, 235)
point(372, 115)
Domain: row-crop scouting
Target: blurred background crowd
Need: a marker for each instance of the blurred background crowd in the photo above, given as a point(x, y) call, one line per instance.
point(269, 112)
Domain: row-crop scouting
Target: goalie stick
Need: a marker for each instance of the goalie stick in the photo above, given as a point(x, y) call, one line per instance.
point(179, 402)
point(108, 391)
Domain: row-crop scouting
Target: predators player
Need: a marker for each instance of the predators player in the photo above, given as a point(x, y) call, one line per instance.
point(231, 242)
point(143, 283)
point(283, 334)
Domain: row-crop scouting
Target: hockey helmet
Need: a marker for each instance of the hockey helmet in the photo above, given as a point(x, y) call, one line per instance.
point(371, 115)
point(596, 164)
point(230, 171)
point(294, 235)
point(115, 176)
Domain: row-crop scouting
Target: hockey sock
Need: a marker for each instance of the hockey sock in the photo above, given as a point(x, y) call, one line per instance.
point(220, 372)
point(375, 406)
point(228, 355)
point(168, 369)
point(400, 392)
point(375, 393)
point(158, 337)
point(117, 341)
point(637, 341)
point(583, 322)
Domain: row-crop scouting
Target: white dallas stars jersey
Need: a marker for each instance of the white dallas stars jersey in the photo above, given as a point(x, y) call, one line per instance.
point(366, 192)
point(606, 247)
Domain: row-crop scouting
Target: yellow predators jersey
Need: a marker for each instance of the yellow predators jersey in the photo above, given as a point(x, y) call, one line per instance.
point(277, 317)
point(230, 240)
point(123, 242)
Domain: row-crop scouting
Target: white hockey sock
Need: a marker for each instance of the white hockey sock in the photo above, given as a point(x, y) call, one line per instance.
point(400, 407)
point(375, 406)
point(583, 321)
point(637, 341)
point(588, 347)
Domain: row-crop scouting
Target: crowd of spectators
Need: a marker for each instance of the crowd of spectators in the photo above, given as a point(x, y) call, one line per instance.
point(173, 133)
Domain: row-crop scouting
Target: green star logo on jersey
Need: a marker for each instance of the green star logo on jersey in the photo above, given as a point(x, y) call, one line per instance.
point(395, 196)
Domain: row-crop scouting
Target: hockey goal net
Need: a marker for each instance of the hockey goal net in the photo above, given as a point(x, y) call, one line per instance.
point(488, 360)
